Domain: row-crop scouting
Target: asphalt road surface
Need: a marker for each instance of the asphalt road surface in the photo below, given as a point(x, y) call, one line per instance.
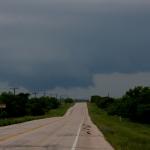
point(74, 131)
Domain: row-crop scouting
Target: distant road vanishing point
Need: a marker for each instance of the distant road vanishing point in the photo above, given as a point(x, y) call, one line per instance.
point(74, 131)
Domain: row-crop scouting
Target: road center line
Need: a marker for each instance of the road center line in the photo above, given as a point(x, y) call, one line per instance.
point(5, 138)
point(77, 136)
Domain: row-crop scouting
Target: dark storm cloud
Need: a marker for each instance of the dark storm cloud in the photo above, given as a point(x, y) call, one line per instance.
point(49, 43)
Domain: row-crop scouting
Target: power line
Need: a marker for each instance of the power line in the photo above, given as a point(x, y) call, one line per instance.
point(14, 90)
point(35, 94)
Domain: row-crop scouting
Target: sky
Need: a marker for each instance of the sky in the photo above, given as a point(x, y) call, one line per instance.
point(76, 48)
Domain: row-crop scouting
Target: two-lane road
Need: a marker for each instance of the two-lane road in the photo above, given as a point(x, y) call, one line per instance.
point(74, 131)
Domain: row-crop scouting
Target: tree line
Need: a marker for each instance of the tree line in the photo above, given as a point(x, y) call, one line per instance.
point(23, 105)
point(134, 105)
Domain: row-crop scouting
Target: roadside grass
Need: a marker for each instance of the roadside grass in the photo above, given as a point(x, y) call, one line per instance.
point(122, 134)
point(60, 111)
point(52, 113)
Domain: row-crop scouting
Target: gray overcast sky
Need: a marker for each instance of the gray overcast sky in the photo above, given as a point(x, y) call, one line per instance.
point(69, 46)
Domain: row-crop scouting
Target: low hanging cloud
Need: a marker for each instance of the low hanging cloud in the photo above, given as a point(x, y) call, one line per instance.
point(114, 85)
point(61, 43)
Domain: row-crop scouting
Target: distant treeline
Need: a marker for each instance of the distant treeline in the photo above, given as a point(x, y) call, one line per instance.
point(22, 105)
point(135, 104)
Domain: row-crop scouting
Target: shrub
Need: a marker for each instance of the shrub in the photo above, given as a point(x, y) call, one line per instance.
point(135, 104)
point(68, 100)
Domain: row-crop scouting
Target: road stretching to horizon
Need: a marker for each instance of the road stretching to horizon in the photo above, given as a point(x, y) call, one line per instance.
point(74, 131)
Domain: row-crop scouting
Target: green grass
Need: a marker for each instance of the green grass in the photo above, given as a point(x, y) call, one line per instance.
point(123, 135)
point(60, 111)
point(52, 113)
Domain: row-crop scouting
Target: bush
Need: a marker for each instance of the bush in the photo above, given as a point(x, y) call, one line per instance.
point(102, 102)
point(135, 104)
point(95, 99)
point(143, 112)
point(40, 106)
point(15, 105)
point(68, 100)
point(20, 105)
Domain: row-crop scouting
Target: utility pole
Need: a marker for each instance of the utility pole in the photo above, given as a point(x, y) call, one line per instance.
point(56, 95)
point(14, 90)
point(35, 94)
point(108, 94)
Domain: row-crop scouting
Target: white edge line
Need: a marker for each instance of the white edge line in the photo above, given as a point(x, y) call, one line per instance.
point(77, 137)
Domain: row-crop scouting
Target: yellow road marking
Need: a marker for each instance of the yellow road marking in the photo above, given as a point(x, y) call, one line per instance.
point(25, 132)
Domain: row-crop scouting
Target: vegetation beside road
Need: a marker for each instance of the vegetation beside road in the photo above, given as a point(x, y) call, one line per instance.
point(125, 121)
point(60, 111)
point(21, 108)
point(52, 113)
point(134, 105)
point(121, 133)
